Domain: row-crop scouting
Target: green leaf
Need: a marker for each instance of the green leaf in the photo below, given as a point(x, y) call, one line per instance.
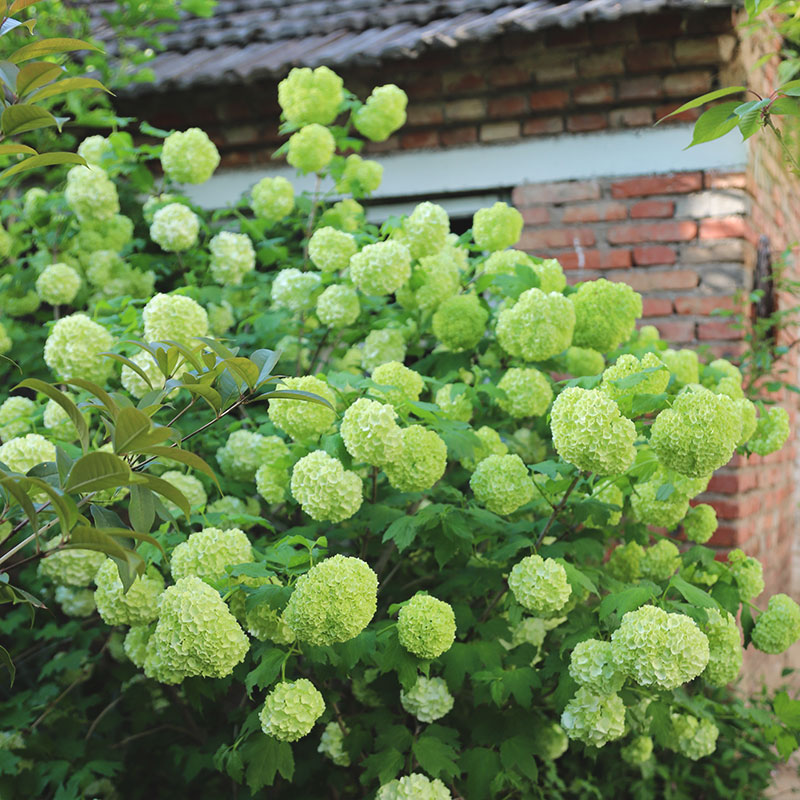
point(747, 622)
point(265, 757)
point(98, 391)
point(660, 722)
point(131, 365)
point(129, 426)
point(516, 753)
point(622, 602)
point(96, 471)
point(44, 160)
point(19, 5)
point(714, 123)
point(704, 98)
point(692, 594)
point(268, 669)
point(64, 506)
point(402, 531)
point(577, 578)
point(66, 85)
point(21, 118)
point(208, 393)
point(129, 563)
point(265, 360)
point(8, 72)
point(142, 509)
point(436, 757)
point(792, 88)
point(750, 119)
point(481, 765)
point(166, 489)
point(36, 74)
point(665, 491)
point(788, 710)
point(47, 47)
point(17, 488)
point(383, 765)
point(184, 456)
point(5, 661)
point(63, 400)
point(294, 394)
point(14, 149)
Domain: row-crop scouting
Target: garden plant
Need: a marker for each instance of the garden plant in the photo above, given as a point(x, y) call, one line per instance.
point(294, 500)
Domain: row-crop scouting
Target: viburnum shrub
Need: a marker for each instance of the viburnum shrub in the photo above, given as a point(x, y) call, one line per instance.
point(385, 511)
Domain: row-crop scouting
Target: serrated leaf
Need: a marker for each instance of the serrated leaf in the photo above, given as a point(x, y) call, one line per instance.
point(402, 531)
point(436, 757)
point(96, 471)
point(481, 765)
point(622, 602)
point(57, 396)
point(516, 753)
point(788, 710)
point(268, 669)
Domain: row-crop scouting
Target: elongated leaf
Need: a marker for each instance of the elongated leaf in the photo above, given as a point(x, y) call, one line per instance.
point(792, 88)
point(19, 5)
point(704, 98)
point(166, 489)
point(44, 160)
point(127, 533)
point(36, 74)
point(219, 348)
point(186, 353)
point(101, 394)
point(57, 396)
point(8, 73)
point(129, 563)
point(208, 393)
point(714, 123)
point(22, 117)
point(265, 360)
point(785, 106)
point(131, 365)
point(244, 369)
point(67, 85)
point(48, 47)
point(294, 394)
point(64, 506)
point(14, 149)
point(16, 487)
point(184, 456)
point(6, 661)
point(692, 594)
point(96, 471)
point(129, 426)
point(142, 509)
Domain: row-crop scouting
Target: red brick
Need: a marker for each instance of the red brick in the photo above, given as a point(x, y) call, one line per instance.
point(649, 209)
point(429, 86)
point(677, 332)
point(675, 183)
point(419, 139)
point(692, 52)
point(595, 259)
point(742, 506)
point(617, 32)
point(652, 280)
point(654, 57)
point(660, 26)
point(425, 114)
point(554, 193)
point(507, 106)
point(637, 117)
point(536, 215)
point(654, 254)
point(509, 75)
point(456, 136)
point(548, 99)
point(541, 126)
point(653, 232)
point(647, 88)
point(687, 84)
point(601, 64)
point(702, 305)
point(727, 536)
point(725, 180)
point(656, 307)
point(725, 228)
point(595, 212)
point(568, 37)
point(556, 237)
point(717, 330)
point(555, 67)
point(593, 94)
point(580, 123)
point(463, 82)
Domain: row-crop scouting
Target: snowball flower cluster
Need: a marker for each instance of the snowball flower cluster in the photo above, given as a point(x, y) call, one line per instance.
point(326, 491)
point(360, 176)
point(683, 366)
point(244, 452)
point(295, 290)
point(189, 156)
point(454, 402)
point(232, 257)
point(405, 382)
point(592, 665)
point(291, 709)
point(435, 278)
point(94, 148)
point(311, 148)
point(370, 433)
point(489, 443)
point(58, 284)
point(628, 365)
point(304, 421)
point(382, 114)
point(590, 432)
point(209, 552)
point(421, 463)
point(655, 648)
point(138, 606)
point(333, 602)
point(605, 314)
point(74, 349)
point(77, 603)
point(272, 481)
point(91, 194)
point(174, 317)
point(747, 572)
point(460, 322)
point(648, 508)
point(382, 346)
point(75, 568)
point(338, 306)
point(307, 95)
point(5, 340)
point(693, 737)
point(625, 561)
point(175, 228)
point(502, 483)
point(135, 644)
point(428, 699)
point(778, 628)
point(698, 434)
point(331, 249)
point(771, 433)
point(15, 417)
point(425, 230)
point(331, 744)
point(639, 750)
point(527, 393)
point(724, 647)
point(539, 584)
point(272, 198)
point(594, 719)
point(189, 486)
point(584, 361)
point(414, 787)
point(25, 452)
point(660, 561)
point(700, 523)
point(497, 227)
point(537, 327)
point(381, 268)
point(426, 626)
point(196, 635)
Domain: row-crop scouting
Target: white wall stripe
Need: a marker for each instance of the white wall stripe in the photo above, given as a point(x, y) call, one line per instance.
point(609, 154)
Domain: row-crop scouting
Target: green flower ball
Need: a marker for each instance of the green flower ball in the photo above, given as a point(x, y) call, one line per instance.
point(303, 420)
point(724, 646)
point(91, 194)
point(400, 382)
point(189, 156)
point(527, 393)
point(700, 523)
point(771, 433)
point(360, 176)
point(778, 628)
point(426, 626)
point(660, 561)
point(232, 257)
point(594, 719)
point(325, 490)
point(291, 709)
point(497, 227)
point(382, 114)
point(74, 349)
point(174, 317)
point(370, 433)
point(539, 584)
point(747, 572)
point(592, 665)
point(58, 284)
point(583, 361)
point(331, 249)
point(272, 199)
point(381, 268)
point(310, 95)
point(460, 322)
point(537, 327)
point(605, 314)
point(138, 606)
point(422, 462)
point(502, 484)
point(428, 699)
point(311, 148)
point(175, 228)
point(15, 417)
point(208, 553)
point(245, 451)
